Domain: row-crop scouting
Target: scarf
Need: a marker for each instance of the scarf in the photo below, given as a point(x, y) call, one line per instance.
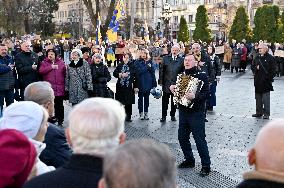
point(125, 81)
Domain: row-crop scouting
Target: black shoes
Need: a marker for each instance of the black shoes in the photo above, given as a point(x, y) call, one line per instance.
point(256, 115)
point(186, 164)
point(206, 120)
point(173, 118)
point(163, 119)
point(128, 120)
point(205, 171)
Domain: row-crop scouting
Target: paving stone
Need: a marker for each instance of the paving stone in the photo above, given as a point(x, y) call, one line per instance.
point(231, 130)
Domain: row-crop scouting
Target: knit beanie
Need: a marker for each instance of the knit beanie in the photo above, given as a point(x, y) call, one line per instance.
point(24, 116)
point(17, 158)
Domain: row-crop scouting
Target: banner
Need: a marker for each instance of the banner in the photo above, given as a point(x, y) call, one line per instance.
point(219, 49)
point(279, 53)
point(119, 50)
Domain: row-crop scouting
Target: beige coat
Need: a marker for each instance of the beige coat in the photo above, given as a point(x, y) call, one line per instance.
point(228, 55)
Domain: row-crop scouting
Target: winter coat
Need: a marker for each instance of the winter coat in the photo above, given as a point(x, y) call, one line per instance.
point(257, 179)
point(145, 75)
point(56, 77)
point(201, 96)
point(7, 77)
point(244, 54)
point(57, 151)
point(168, 72)
point(263, 77)
point(215, 67)
point(125, 92)
point(206, 66)
point(75, 75)
point(40, 166)
point(23, 63)
point(82, 171)
point(228, 55)
point(100, 77)
point(236, 57)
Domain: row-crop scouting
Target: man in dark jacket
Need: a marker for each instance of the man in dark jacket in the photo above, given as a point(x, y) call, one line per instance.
point(26, 64)
point(57, 151)
point(7, 79)
point(267, 157)
point(171, 66)
point(94, 130)
point(264, 73)
point(192, 119)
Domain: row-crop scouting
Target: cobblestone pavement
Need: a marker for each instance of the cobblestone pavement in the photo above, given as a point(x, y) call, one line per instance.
point(231, 130)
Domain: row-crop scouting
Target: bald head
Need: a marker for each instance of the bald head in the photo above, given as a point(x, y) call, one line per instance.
point(268, 152)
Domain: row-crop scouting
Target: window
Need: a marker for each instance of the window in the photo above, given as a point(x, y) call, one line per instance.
point(190, 18)
point(176, 19)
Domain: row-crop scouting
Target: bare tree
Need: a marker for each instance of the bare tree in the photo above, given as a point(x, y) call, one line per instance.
point(100, 5)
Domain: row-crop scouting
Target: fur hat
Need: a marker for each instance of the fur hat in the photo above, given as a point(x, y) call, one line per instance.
point(78, 51)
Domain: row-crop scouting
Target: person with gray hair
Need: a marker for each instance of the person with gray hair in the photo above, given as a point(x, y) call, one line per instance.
point(57, 151)
point(94, 129)
point(265, 71)
point(169, 69)
point(139, 164)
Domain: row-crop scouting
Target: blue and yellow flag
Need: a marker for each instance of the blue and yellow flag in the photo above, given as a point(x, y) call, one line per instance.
point(113, 28)
point(98, 30)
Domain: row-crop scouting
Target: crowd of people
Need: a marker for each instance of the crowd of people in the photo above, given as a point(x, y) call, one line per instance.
point(92, 152)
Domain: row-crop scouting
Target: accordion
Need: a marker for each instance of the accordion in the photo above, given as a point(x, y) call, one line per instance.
point(184, 84)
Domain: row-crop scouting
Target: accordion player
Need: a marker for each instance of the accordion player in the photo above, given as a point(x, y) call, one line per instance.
point(184, 84)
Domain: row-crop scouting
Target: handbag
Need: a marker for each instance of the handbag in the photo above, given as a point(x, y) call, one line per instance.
point(84, 82)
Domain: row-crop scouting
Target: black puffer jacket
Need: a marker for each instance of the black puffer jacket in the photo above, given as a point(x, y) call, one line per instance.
point(263, 77)
point(26, 74)
point(100, 76)
point(168, 71)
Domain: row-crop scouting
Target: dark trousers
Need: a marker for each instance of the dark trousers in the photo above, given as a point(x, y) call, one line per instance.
point(165, 103)
point(262, 103)
point(22, 91)
point(59, 109)
point(243, 65)
point(211, 101)
point(143, 96)
point(193, 122)
point(128, 110)
point(236, 68)
point(8, 96)
point(227, 66)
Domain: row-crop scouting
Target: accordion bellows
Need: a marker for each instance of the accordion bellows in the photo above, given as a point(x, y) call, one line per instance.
point(184, 84)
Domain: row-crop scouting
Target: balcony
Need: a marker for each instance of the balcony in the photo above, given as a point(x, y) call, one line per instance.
point(267, 1)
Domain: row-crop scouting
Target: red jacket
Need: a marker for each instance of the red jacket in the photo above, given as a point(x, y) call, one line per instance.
point(56, 77)
point(244, 54)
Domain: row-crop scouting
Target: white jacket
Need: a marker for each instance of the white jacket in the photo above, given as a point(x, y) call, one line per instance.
point(40, 166)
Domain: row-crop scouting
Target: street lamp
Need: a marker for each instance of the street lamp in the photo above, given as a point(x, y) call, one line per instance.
point(166, 17)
